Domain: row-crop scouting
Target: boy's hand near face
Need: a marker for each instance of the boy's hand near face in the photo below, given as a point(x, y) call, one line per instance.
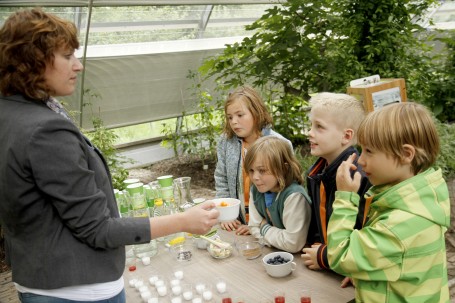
point(344, 180)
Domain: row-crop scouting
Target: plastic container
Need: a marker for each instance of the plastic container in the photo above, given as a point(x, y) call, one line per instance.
point(183, 252)
point(220, 253)
point(250, 249)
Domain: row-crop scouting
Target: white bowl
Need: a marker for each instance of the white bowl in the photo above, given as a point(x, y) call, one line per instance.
point(229, 212)
point(282, 269)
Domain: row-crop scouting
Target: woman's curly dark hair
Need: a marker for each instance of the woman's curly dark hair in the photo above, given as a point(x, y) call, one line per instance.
point(28, 40)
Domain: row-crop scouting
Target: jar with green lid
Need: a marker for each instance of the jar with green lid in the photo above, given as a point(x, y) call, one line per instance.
point(173, 238)
point(167, 194)
point(137, 199)
point(156, 189)
point(122, 204)
point(137, 196)
point(127, 182)
point(149, 196)
point(160, 209)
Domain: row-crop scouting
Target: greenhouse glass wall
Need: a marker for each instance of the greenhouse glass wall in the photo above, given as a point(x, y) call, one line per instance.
point(138, 54)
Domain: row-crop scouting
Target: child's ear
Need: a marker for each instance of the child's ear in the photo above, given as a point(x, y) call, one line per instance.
point(408, 154)
point(348, 135)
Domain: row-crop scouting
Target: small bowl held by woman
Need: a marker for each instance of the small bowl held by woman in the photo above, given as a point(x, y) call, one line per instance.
point(229, 208)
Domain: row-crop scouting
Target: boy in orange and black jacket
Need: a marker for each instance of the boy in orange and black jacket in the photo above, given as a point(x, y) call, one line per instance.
point(334, 121)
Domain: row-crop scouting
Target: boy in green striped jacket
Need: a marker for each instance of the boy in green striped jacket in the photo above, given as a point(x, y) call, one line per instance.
point(399, 255)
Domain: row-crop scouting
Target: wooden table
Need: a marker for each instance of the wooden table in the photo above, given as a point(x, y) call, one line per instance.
point(244, 278)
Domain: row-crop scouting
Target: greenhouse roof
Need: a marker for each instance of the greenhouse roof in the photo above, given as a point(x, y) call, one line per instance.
point(83, 3)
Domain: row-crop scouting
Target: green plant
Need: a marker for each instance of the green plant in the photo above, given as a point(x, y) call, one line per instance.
point(289, 118)
point(104, 139)
point(196, 135)
point(441, 96)
point(303, 155)
point(306, 46)
point(446, 159)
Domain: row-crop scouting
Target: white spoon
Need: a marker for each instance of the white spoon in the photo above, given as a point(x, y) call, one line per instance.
point(223, 245)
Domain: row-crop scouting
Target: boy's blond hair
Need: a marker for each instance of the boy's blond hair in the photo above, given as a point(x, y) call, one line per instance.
point(394, 125)
point(278, 157)
point(346, 110)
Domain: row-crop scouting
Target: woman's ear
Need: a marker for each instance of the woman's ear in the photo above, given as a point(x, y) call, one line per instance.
point(408, 154)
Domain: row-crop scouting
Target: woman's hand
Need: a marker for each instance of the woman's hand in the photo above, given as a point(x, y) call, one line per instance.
point(200, 218)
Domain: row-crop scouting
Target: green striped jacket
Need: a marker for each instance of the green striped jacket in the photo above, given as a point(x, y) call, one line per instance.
point(399, 255)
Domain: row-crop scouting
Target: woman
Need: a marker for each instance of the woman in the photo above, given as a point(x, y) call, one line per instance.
point(64, 238)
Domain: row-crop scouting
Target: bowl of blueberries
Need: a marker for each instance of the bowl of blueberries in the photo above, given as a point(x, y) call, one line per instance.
point(279, 264)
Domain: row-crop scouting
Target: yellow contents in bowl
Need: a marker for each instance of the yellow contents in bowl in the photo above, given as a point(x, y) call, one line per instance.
point(222, 204)
point(177, 240)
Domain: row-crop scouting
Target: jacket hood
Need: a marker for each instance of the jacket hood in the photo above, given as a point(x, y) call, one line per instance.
point(425, 195)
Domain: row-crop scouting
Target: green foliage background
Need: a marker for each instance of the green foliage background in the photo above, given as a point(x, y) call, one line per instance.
point(104, 139)
point(305, 47)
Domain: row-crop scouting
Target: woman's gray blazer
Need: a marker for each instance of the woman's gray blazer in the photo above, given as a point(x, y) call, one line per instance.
point(57, 208)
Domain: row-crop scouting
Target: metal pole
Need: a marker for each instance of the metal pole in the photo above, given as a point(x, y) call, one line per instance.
point(84, 59)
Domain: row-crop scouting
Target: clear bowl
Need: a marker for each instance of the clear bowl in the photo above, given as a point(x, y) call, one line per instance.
point(202, 243)
point(220, 253)
point(250, 249)
point(182, 252)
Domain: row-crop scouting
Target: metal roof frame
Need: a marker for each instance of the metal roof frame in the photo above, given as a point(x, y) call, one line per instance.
point(98, 3)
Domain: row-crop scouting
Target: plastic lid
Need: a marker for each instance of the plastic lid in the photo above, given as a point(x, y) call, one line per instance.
point(136, 188)
point(131, 181)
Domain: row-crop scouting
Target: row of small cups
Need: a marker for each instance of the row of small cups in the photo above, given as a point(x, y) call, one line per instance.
point(177, 288)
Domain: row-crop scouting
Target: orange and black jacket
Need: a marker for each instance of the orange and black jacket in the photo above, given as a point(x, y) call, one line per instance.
point(321, 185)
